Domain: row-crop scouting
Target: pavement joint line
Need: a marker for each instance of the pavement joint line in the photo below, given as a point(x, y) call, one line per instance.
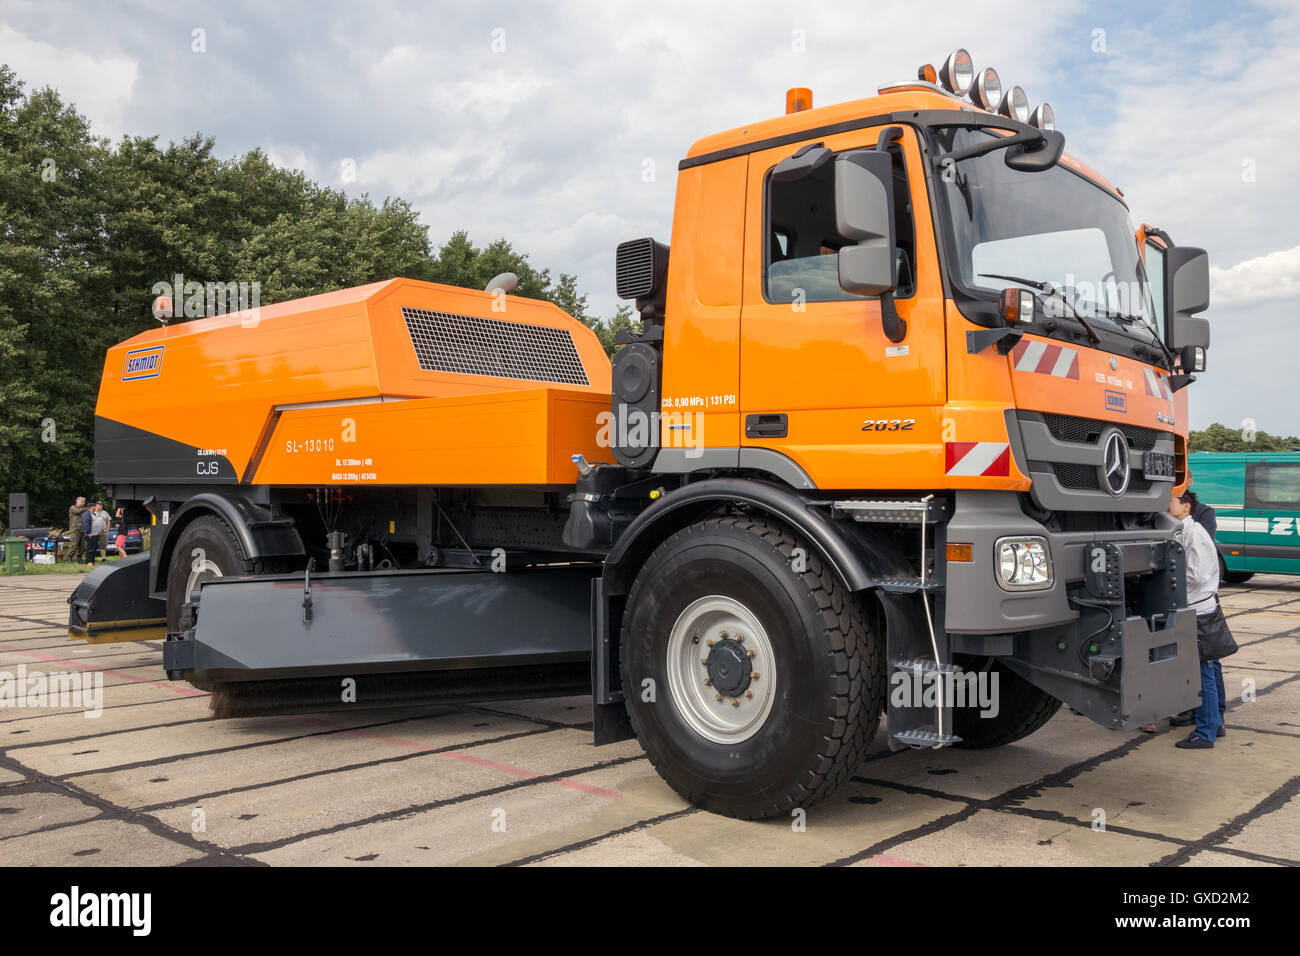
point(592, 841)
point(183, 691)
point(487, 764)
point(99, 735)
point(345, 768)
point(1018, 793)
point(252, 744)
point(1212, 840)
point(557, 724)
point(416, 809)
point(113, 811)
point(66, 712)
point(1056, 816)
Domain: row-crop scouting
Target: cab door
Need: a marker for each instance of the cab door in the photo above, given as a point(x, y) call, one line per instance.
point(1272, 526)
point(820, 382)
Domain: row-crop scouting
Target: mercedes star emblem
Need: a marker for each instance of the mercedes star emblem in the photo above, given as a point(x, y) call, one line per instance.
point(1114, 470)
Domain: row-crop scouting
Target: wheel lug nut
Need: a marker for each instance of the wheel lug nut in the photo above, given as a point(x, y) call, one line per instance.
point(735, 702)
point(754, 675)
point(722, 634)
point(704, 661)
point(750, 651)
point(708, 643)
point(741, 638)
point(749, 694)
point(708, 682)
point(717, 697)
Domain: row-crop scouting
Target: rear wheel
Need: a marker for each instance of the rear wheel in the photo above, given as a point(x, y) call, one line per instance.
point(207, 548)
point(1233, 577)
point(753, 680)
point(1022, 708)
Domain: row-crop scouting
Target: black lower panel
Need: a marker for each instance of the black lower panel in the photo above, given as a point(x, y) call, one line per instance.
point(387, 622)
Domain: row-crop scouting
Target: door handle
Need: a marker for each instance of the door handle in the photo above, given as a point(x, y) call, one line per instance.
point(766, 426)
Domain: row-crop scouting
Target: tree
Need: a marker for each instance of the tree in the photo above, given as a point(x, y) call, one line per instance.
point(1222, 438)
point(88, 229)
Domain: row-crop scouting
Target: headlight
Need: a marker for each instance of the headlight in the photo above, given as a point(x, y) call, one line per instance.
point(987, 91)
point(1024, 564)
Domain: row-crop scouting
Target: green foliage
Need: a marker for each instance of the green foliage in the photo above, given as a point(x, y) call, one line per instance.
point(88, 228)
point(1222, 438)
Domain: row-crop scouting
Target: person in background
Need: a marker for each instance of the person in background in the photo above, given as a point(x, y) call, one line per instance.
point(89, 536)
point(1202, 590)
point(101, 530)
point(76, 536)
point(120, 542)
point(1203, 515)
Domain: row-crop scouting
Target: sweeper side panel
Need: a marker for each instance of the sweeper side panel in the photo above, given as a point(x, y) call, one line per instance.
point(288, 642)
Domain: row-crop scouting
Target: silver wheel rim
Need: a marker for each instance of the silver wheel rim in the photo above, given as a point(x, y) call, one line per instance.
point(202, 568)
point(723, 623)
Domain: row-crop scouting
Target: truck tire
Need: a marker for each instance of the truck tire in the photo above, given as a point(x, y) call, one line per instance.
point(206, 548)
point(1022, 709)
point(1233, 577)
point(716, 603)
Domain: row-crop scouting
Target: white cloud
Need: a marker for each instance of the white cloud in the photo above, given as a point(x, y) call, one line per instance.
point(101, 87)
point(1272, 276)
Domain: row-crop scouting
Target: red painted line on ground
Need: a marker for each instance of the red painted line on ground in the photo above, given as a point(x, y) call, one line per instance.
point(469, 758)
point(183, 691)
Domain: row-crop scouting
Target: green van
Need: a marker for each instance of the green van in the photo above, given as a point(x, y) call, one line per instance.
point(1256, 500)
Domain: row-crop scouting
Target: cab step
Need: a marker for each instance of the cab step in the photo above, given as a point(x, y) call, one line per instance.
point(925, 738)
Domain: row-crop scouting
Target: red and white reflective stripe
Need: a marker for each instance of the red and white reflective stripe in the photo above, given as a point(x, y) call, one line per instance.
point(970, 459)
point(1157, 384)
point(1045, 359)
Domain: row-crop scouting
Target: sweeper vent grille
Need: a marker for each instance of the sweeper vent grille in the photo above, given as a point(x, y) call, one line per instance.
point(445, 342)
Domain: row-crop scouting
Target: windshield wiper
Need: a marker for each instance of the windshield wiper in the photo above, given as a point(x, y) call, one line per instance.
point(1135, 320)
point(1049, 289)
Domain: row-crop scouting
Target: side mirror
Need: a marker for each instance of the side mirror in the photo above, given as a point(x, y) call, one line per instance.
point(864, 214)
point(1036, 157)
point(1187, 287)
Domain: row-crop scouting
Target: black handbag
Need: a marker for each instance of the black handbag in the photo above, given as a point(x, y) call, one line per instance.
point(1213, 639)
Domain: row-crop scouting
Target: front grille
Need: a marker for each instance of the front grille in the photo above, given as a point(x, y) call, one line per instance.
point(1078, 477)
point(1084, 478)
point(469, 345)
point(1088, 431)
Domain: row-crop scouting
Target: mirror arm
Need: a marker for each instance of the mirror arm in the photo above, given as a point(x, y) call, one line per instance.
point(1000, 142)
point(895, 326)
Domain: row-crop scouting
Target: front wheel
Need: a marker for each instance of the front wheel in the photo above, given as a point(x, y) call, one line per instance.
point(753, 679)
point(1022, 708)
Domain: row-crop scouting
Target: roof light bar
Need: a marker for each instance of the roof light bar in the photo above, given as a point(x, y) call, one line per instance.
point(957, 73)
point(1015, 105)
point(987, 91)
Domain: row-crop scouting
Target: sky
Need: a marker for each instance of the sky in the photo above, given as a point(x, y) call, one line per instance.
point(559, 125)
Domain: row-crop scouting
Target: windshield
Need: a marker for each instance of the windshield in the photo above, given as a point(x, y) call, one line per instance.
point(1051, 226)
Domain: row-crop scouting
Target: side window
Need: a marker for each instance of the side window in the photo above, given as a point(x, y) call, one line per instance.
point(1273, 487)
point(801, 261)
point(1155, 269)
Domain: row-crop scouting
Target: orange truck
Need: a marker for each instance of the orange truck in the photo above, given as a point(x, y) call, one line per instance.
point(896, 438)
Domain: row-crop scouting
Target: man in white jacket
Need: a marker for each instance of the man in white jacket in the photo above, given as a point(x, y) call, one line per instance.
point(1202, 590)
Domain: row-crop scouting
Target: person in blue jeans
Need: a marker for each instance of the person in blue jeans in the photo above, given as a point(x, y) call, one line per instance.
point(1202, 585)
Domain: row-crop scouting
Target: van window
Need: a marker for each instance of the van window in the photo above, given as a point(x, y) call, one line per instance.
point(1273, 486)
point(801, 259)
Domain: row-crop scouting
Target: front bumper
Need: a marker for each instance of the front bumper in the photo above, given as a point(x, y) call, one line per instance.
point(1112, 637)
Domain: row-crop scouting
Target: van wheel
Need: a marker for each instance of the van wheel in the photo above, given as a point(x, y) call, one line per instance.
point(1022, 709)
point(207, 549)
point(1233, 577)
point(754, 687)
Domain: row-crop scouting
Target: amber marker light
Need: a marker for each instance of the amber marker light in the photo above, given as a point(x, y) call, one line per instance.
point(957, 551)
point(798, 99)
